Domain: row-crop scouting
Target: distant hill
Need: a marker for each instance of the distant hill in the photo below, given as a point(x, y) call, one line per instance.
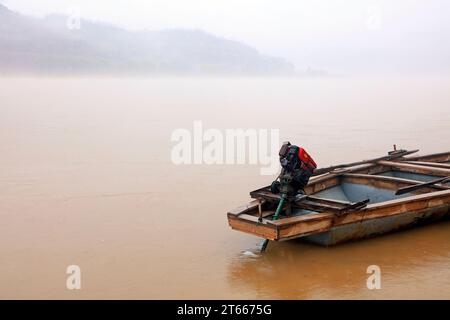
point(32, 45)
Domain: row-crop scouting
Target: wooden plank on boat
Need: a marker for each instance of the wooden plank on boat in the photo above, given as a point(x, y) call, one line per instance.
point(243, 209)
point(332, 201)
point(421, 185)
point(250, 224)
point(430, 164)
point(435, 157)
point(322, 183)
point(372, 168)
point(417, 168)
point(385, 182)
point(307, 227)
point(266, 194)
point(327, 205)
point(317, 206)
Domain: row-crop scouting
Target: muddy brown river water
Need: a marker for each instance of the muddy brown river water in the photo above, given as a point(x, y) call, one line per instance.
point(86, 178)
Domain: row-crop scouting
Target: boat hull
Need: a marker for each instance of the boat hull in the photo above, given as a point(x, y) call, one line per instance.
point(380, 226)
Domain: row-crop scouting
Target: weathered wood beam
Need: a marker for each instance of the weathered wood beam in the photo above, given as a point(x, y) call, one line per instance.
point(417, 168)
point(385, 182)
point(329, 201)
point(430, 164)
point(316, 206)
point(244, 209)
point(250, 224)
point(435, 157)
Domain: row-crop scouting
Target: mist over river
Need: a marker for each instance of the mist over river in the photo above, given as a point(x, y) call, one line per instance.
point(87, 179)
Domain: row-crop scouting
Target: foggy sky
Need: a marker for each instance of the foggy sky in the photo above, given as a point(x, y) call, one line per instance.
point(337, 35)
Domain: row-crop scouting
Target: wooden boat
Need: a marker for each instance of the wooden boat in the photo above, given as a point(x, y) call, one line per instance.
point(353, 202)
